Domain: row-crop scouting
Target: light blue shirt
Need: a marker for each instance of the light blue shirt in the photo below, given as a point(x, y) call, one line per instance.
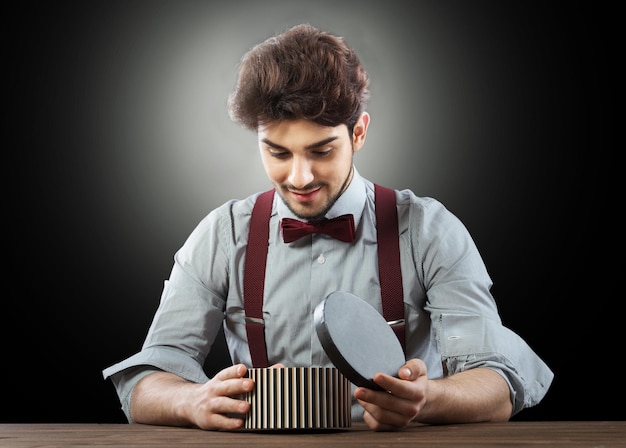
point(451, 316)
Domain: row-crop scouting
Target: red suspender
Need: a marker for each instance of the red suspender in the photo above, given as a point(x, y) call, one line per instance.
point(254, 277)
point(256, 257)
point(389, 270)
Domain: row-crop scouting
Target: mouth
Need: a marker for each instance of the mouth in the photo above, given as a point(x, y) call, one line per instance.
point(305, 196)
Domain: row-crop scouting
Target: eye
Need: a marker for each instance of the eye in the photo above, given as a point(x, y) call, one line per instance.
point(278, 153)
point(323, 153)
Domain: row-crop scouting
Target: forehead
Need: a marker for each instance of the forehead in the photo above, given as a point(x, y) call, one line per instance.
point(299, 132)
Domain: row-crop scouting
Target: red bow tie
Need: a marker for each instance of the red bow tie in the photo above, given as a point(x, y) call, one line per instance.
point(341, 228)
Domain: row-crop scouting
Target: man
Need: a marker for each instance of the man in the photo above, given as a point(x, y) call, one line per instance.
point(304, 93)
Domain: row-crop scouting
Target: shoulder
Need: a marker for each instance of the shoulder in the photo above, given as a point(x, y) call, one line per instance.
point(404, 198)
point(227, 220)
point(423, 204)
point(425, 217)
point(413, 206)
point(234, 209)
point(413, 210)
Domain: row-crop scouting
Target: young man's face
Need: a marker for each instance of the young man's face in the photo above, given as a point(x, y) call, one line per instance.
point(310, 165)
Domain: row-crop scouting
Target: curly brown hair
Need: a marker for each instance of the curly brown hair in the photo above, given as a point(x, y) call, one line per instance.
point(301, 73)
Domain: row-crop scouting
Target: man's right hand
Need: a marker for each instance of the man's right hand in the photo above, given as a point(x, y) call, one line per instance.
point(163, 398)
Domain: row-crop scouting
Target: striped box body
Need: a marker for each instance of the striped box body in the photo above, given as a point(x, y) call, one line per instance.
point(298, 398)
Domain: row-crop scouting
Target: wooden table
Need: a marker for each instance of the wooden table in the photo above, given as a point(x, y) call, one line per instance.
point(603, 434)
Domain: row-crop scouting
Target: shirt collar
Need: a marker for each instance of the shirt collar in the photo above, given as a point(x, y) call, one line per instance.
point(352, 201)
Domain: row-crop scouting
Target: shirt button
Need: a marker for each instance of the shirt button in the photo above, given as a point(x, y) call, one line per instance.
point(321, 259)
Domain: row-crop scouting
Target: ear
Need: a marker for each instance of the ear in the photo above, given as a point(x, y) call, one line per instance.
point(360, 131)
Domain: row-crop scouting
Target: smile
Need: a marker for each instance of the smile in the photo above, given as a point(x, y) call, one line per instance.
point(307, 196)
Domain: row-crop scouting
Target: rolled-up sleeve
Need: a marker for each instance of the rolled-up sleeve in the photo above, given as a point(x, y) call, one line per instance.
point(189, 315)
point(126, 374)
point(468, 341)
point(467, 326)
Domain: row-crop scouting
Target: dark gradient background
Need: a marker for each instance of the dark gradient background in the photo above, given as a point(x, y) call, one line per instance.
point(120, 143)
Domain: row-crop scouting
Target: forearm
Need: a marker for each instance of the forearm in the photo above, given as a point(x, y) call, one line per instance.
point(477, 395)
point(161, 399)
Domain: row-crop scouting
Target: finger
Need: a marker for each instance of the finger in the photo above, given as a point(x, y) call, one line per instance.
point(413, 369)
point(230, 406)
point(235, 371)
point(236, 387)
point(405, 373)
point(396, 386)
point(228, 382)
point(397, 406)
point(222, 412)
point(375, 425)
point(382, 418)
point(228, 421)
point(225, 423)
point(404, 397)
point(402, 385)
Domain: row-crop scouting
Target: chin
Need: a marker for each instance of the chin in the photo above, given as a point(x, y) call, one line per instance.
point(305, 212)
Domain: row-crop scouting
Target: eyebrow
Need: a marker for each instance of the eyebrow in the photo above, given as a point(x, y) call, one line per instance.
point(311, 146)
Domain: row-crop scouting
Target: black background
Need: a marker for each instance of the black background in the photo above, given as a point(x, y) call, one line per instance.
point(81, 293)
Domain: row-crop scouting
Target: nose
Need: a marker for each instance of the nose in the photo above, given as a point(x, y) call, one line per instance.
point(301, 173)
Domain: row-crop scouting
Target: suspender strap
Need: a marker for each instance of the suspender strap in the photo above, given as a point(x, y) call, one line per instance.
point(254, 277)
point(256, 259)
point(389, 269)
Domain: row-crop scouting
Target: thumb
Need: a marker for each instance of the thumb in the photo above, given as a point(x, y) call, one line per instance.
point(405, 373)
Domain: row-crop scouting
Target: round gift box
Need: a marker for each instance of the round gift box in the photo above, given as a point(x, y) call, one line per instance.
point(298, 398)
point(357, 339)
